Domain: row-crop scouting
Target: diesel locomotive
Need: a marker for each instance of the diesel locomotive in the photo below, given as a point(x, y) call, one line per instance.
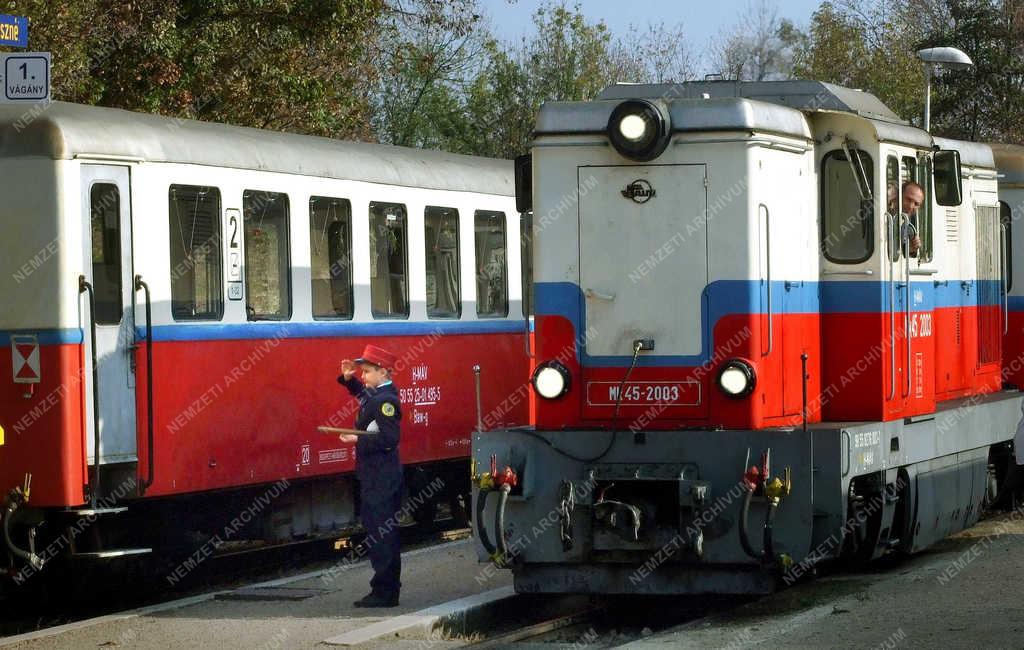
point(750, 357)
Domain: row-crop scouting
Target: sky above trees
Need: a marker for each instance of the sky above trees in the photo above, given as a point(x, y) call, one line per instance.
point(512, 19)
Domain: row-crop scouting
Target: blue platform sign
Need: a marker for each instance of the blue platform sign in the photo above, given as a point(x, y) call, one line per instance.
point(13, 31)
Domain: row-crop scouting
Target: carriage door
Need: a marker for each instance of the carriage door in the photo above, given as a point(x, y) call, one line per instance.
point(108, 253)
point(898, 378)
point(643, 273)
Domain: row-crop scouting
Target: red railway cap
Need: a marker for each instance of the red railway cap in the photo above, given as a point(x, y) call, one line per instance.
point(378, 357)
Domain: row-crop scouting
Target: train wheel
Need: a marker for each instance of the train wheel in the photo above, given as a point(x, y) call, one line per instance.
point(423, 501)
point(461, 508)
point(1005, 479)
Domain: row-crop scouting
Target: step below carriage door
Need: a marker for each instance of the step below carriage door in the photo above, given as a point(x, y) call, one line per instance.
point(643, 271)
point(106, 201)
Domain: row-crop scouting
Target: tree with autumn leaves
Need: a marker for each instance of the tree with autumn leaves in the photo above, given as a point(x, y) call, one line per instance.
point(430, 73)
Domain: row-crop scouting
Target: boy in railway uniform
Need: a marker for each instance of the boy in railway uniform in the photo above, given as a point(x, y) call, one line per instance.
point(378, 468)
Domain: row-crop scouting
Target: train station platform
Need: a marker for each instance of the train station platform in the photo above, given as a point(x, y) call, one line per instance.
point(963, 593)
point(960, 594)
point(302, 611)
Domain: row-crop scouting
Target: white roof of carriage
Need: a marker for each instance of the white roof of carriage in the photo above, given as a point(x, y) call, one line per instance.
point(64, 131)
point(1010, 162)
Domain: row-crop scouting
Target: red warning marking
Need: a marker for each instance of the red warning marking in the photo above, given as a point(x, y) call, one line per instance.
point(25, 360)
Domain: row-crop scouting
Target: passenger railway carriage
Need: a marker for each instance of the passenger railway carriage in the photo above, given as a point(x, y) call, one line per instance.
point(178, 297)
point(742, 367)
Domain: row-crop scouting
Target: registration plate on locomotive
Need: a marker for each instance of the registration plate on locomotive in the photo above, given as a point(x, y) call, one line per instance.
point(644, 393)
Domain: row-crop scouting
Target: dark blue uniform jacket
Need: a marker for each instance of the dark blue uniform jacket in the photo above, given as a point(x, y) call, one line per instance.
point(377, 464)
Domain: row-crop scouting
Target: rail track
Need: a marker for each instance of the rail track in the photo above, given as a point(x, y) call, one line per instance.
point(604, 622)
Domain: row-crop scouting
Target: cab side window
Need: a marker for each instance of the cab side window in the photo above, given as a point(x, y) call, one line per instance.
point(893, 201)
point(919, 171)
point(847, 197)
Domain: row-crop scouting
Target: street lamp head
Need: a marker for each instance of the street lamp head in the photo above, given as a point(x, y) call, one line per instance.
point(945, 57)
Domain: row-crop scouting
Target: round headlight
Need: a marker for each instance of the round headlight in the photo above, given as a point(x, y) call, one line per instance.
point(551, 380)
point(639, 129)
point(736, 378)
point(633, 127)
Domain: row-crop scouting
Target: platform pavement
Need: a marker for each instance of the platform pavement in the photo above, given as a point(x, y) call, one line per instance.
point(963, 593)
point(430, 576)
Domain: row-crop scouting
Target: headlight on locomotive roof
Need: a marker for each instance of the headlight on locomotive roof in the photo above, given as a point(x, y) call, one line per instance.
point(551, 380)
point(639, 129)
point(633, 127)
point(736, 378)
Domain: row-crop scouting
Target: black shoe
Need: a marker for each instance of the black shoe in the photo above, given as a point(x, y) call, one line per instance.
point(377, 600)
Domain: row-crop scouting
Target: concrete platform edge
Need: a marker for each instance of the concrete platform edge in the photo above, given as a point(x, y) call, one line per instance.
point(446, 615)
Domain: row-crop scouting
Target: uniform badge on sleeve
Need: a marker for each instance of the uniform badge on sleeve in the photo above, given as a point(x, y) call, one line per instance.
point(388, 409)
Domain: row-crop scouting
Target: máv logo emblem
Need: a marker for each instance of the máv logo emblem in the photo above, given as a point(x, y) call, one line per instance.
point(640, 191)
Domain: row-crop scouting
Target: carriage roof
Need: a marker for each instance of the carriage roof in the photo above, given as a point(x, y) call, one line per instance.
point(64, 131)
point(1010, 160)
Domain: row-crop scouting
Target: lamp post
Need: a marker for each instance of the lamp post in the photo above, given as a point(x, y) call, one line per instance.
point(935, 58)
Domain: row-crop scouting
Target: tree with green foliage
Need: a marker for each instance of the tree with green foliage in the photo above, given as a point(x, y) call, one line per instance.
point(567, 59)
point(305, 66)
point(416, 96)
point(982, 103)
point(865, 45)
point(758, 47)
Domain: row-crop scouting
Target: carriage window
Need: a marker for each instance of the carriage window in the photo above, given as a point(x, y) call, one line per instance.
point(526, 255)
point(441, 240)
point(491, 265)
point(389, 279)
point(196, 286)
point(330, 245)
point(893, 203)
point(1006, 219)
point(848, 224)
point(267, 278)
point(105, 221)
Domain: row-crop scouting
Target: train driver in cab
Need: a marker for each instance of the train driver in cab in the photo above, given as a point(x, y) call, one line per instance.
point(378, 468)
point(913, 196)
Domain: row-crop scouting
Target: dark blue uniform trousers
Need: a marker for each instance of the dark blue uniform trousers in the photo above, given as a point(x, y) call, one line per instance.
point(379, 512)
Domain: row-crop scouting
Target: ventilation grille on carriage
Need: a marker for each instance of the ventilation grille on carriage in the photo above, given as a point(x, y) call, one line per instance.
point(952, 225)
